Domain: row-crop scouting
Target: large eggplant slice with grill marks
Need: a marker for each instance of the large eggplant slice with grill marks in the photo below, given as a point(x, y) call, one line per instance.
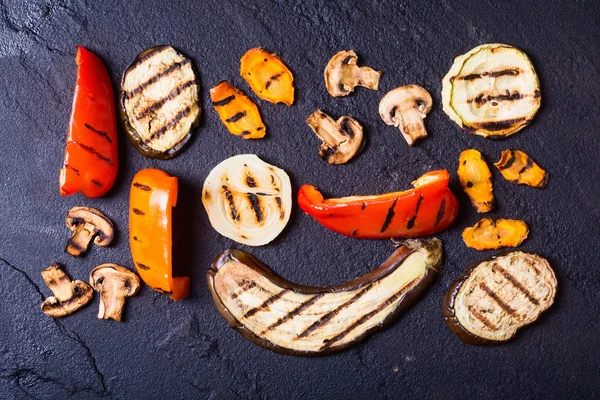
point(310, 321)
point(491, 91)
point(494, 298)
point(160, 102)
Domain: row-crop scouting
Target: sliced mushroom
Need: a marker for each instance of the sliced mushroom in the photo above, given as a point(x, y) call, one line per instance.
point(87, 224)
point(342, 75)
point(341, 138)
point(114, 283)
point(68, 296)
point(406, 107)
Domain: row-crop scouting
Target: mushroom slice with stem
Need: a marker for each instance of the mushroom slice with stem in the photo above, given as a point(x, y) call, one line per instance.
point(114, 283)
point(405, 107)
point(87, 224)
point(69, 296)
point(341, 138)
point(342, 75)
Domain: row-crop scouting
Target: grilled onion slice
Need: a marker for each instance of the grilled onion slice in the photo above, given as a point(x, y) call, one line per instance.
point(248, 200)
point(160, 102)
point(491, 91)
point(310, 321)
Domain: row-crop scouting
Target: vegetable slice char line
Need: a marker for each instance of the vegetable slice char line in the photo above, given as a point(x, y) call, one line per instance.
point(160, 102)
point(310, 321)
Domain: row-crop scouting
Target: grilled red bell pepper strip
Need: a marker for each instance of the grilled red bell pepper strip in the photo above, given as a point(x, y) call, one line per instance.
point(427, 209)
point(91, 154)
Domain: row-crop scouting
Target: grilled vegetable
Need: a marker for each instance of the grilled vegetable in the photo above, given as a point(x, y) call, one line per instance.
point(341, 139)
point(342, 75)
point(239, 114)
point(114, 283)
point(248, 200)
point(91, 153)
point(153, 195)
point(494, 298)
point(493, 233)
point(268, 76)
point(288, 318)
point(88, 224)
point(516, 166)
point(427, 209)
point(405, 107)
point(160, 102)
point(476, 180)
point(491, 91)
point(69, 296)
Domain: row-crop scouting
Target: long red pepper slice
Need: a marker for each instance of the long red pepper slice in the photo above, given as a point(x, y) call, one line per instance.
point(427, 209)
point(91, 154)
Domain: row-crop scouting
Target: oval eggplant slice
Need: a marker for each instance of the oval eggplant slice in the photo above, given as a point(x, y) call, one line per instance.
point(310, 321)
point(160, 102)
point(491, 91)
point(494, 298)
point(248, 200)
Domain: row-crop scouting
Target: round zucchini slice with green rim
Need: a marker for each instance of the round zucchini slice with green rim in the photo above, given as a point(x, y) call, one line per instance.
point(491, 91)
point(160, 102)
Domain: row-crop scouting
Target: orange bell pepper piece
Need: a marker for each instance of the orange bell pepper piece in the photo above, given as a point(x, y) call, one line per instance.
point(153, 194)
point(268, 76)
point(91, 154)
point(429, 208)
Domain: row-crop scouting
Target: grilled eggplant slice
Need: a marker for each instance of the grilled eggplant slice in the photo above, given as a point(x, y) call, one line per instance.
point(476, 180)
point(491, 91)
point(517, 166)
point(494, 298)
point(310, 321)
point(493, 233)
point(160, 102)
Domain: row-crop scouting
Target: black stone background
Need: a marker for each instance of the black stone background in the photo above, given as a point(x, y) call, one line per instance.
point(186, 350)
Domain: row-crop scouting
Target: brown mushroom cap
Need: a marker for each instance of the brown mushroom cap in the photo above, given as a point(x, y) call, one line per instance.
point(68, 296)
point(342, 75)
point(87, 224)
point(114, 283)
point(406, 107)
point(341, 138)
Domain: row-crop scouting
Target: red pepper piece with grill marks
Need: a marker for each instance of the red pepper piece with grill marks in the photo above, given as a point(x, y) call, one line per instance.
point(429, 208)
point(91, 154)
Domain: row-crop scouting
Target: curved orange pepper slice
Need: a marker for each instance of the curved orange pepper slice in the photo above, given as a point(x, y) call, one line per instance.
point(238, 113)
point(268, 76)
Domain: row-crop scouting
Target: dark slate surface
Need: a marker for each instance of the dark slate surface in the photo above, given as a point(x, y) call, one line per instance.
point(186, 350)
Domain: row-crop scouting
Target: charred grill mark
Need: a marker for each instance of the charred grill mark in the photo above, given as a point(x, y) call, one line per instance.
point(250, 181)
point(499, 125)
point(518, 285)
point(537, 94)
point(90, 149)
point(147, 55)
point(138, 211)
point(492, 74)
point(345, 128)
point(390, 300)
point(482, 318)
point(223, 102)
point(441, 212)
point(155, 78)
point(171, 96)
point(143, 266)
point(245, 285)
point(330, 315)
point(142, 187)
point(510, 161)
point(72, 169)
point(229, 196)
point(96, 183)
point(354, 232)
point(99, 132)
point(236, 117)
point(255, 204)
point(347, 60)
point(272, 79)
point(135, 238)
point(528, 165)
point(245, 133)
point(260, 128)
point(411, 222)
point(281, 212)
point(169, 125)
point(264, 306)
point(481, 99)
point(291, 314)
point(388, 217)
point(497, 299)
point(364, 205)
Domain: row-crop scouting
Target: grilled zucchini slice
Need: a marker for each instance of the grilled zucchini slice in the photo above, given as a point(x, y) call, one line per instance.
point(491, 91)
point(160, 102)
